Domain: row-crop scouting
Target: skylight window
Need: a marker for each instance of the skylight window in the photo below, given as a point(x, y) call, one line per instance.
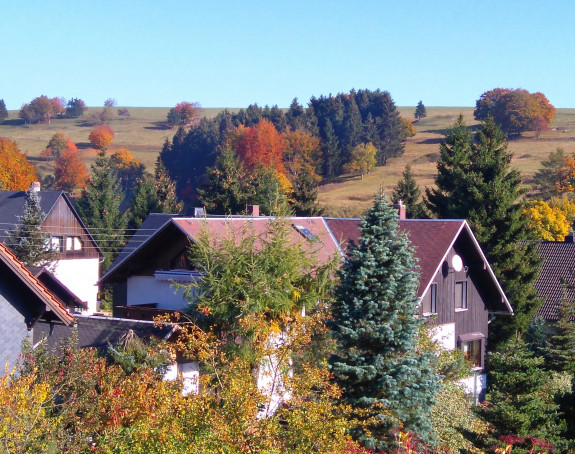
point(305, 232)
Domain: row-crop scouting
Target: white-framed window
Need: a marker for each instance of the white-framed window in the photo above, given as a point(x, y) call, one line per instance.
point(57, 243)
point(73, 243)
point(461, 295)
point(429, 302)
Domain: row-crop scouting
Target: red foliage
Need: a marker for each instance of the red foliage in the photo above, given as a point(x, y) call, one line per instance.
point(260, 144)
point(188, 111)
point(101, 137)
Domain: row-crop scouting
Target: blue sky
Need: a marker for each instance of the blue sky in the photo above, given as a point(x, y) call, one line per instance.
point(234, 53)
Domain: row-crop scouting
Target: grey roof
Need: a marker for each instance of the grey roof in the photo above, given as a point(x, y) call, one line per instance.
point(12, 205)
point(150, 226)
point(557, 276)
point(94, 331)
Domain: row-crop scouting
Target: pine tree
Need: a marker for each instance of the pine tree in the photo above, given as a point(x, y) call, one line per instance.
point(407, 190)
point(99, 207)
point(560, 349)
point(27, 241)
point(227, 190)
point(420, 111)
point(3, 111)
point(518, 403)
point(547, 178)
point(331, 153)
point(166, 190)
point(380, 373)
point(305, 195)
point(475, 182)
point(144, 202)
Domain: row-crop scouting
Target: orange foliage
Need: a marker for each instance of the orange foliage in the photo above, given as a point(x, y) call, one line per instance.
point(69, 170)
point(188, 111)
point(16, 173)
point(101, 137)
point(261, 144)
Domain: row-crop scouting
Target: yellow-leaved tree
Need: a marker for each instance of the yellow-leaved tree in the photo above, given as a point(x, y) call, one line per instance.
point(362, 159)
point(551, 221)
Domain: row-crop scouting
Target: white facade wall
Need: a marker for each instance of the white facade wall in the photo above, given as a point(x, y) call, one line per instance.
point(188, 372)
point(148, 289)
point(475, 385)
point(445, 335)
point(80, 276)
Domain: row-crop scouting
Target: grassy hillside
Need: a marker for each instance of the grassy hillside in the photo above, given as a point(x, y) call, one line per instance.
point(144, 133)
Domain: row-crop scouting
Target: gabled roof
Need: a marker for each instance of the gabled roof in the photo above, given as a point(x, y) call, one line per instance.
point(18, 271)
point(12, 205)
point(556, 277)
point(432, 240)
point(191, 228)
point(62, 293)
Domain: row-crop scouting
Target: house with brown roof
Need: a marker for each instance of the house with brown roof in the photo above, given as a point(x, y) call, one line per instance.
point(79, 256)
point(458, 290)
point(24, 302)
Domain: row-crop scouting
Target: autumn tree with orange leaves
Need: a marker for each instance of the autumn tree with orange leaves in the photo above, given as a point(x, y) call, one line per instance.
point(16, 173)
point(515, 110)
point(261, 144)
point(69, 170)
point(101, 137)
point(129, 169)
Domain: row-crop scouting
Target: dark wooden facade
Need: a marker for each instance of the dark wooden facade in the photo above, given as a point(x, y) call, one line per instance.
point(63, 222)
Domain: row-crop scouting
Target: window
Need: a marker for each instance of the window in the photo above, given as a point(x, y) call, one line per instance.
point(472, 351)
point(305, 232)
point(430, 300)
point(57, 243)
point(461, 295)
point(73, 243)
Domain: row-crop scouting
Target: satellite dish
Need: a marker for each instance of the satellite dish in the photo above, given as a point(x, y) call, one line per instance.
point(457, 263)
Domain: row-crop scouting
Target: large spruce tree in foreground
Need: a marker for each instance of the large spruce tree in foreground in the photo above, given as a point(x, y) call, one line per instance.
point(475, 182)
point(387, 382)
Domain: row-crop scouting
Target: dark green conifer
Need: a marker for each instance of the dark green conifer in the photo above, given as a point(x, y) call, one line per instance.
point(227, 190)
point(407, 190)
point(27, 241)
point(331, 152)
point(518, 403)
point(99, 208)
point(560, 349)
point(381, 374)
point(475, 182)
point(420, 111)
point(3, 111)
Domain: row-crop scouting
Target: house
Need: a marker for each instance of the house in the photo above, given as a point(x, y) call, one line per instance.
point(556, 278)
point(458, 290)
point(79, 255)
point(24, 304)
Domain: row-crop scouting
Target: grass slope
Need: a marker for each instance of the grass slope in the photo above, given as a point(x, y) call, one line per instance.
point(144, 133)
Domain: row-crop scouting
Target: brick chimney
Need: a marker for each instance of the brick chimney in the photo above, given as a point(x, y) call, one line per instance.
point(253, 210)
point(400, 207)
point(35, 186)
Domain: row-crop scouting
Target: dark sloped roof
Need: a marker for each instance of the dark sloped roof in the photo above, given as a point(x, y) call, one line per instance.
point(150, 226)
point(97, 332)
point(12, 205)
point(19, 271)
point(57, 288)
point(557, 275)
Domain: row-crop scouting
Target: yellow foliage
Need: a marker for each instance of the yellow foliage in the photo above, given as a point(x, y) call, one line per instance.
point(551, 221)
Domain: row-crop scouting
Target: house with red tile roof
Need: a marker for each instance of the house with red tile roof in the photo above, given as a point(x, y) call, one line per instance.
point(458, 290)
point(79, 256)
point(24, 302)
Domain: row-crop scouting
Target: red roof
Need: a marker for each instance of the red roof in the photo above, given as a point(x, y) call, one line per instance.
point(432, 240)
point(34, 285)
point(323, 244)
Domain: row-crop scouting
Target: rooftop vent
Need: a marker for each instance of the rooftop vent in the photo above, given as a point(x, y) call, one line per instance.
point(35, 186)
point(199, 212)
